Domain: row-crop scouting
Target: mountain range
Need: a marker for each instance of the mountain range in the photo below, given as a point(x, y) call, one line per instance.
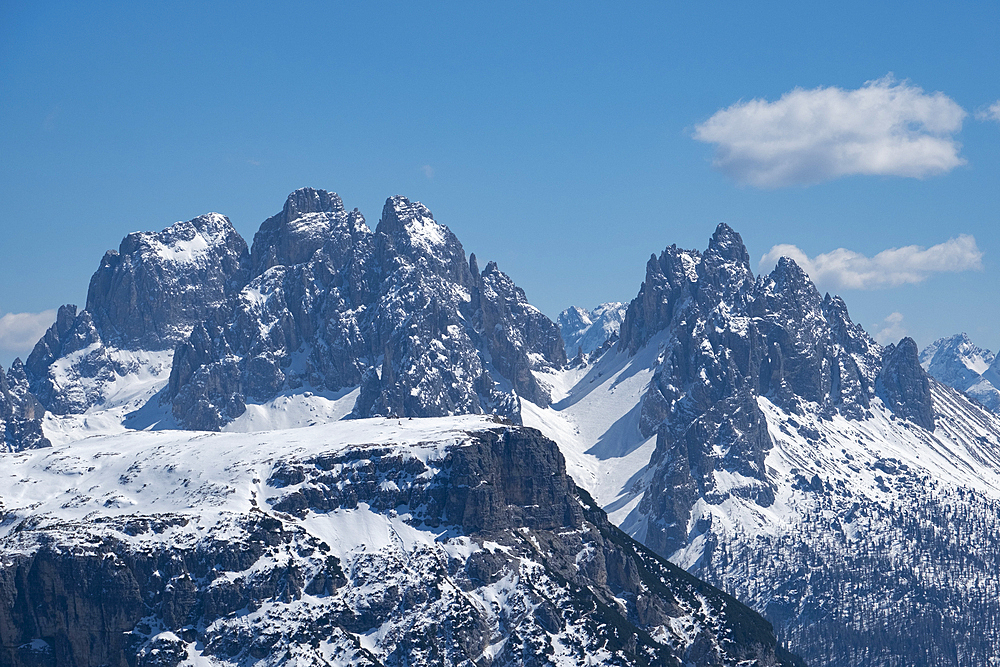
point(418, 417)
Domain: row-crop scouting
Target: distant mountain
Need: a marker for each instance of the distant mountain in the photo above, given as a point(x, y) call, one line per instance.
point(585, 331)
point(958, 363)
point(320, 303)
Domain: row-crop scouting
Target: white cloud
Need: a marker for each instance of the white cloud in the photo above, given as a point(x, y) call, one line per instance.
point(846, 269)
point(992, 112)
point(886, 128)
point(428, 171)
point(891, 329)
point(20, 331)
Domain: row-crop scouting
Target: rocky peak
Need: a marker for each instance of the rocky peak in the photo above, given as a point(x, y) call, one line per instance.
point(518, 336)
point(151, 292)
point(407, 234)
point(309, 200)
point(70, 333)
point(724, 273)
point(307, 221)
point(400, 312)
point(586, 331)
point(20, 412)
point(903, 385)
point(669, 279)
point(789, 290)
point(5, 401)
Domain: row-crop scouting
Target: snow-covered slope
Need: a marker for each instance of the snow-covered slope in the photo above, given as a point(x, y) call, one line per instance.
point(371, 542)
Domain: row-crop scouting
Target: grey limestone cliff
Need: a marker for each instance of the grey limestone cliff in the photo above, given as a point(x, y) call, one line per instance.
point(398, 311)
point(730, 338)
point(20, 412)
point(145, 297)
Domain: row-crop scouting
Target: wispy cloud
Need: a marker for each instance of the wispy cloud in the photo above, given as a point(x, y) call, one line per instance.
point(891, 329)
point(428, 171)
point(992, 112)
point(886, 128)
point(846, 269)
point(20, 331)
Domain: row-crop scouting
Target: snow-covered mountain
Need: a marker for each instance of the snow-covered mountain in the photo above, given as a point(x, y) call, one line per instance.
point(456, 540)
point(748, 430)
point(741, 426)
point(585, 331)
point(958, 363)
point(189, 327)
point(448, 541)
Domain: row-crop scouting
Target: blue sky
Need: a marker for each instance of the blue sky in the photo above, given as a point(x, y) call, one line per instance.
point(566, 141)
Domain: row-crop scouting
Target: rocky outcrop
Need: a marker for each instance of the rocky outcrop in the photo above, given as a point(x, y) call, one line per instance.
point(20, 412)
point(399, 312)
point(475, 550)
point(728, 339)
point(145, 297)
point(307, 220)
point(903, 385)
point(151, 291)
point(959, 363)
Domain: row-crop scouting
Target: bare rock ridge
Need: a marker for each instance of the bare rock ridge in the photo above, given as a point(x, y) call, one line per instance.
point(398, 312)
point(731, 339)
point(320, 302)
point(20, 412)
point(147, 296)
point(803, 467)
point(149, 293)
point(503, 562)
point(904, 386)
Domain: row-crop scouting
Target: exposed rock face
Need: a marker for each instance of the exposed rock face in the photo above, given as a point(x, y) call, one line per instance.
point(156, 287)
point(20, 412)
point(729, 339)
point(399, 311)
point(145, 297)
point(74, 338)
point(308, 219)
point(320, 302)
point(902, 384)
point(497, 559)
point(956, 361)
point(584, 331)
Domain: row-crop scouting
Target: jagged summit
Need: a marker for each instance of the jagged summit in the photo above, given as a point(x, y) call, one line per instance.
point(748, 429)
point(727, 244)
point(310, 200)
point(408, 233)
point(306, 222)
point(149, 293)
point(396, 313)
point(585, 331)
